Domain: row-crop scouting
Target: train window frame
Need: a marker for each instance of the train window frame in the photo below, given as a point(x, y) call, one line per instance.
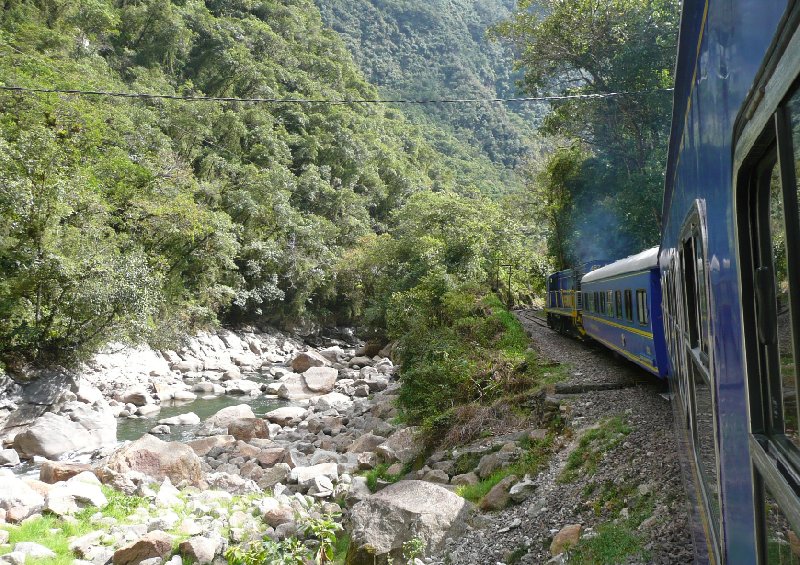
point(641, 307)
point(610, 303)
point(698, 365)
point(629, 304)
point(618, 304)
point(763, 133)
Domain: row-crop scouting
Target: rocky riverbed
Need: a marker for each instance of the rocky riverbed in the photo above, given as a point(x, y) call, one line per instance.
point(246, 445)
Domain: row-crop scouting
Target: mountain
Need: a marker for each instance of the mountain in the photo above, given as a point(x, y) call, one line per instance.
point(439, 49)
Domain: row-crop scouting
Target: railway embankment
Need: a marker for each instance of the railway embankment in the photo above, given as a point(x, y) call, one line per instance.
point(611, 492)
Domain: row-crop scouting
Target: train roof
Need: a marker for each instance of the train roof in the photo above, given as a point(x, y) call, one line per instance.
point(641, 261)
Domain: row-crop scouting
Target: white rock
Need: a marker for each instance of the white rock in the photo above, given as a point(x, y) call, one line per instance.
point(188, 419)
point(285, 414)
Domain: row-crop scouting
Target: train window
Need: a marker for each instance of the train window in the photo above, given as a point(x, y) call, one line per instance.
point(782, 544)
point(769, 234)
point(629, 305)
point(618, 303)
point(597, 303)
point(641, 306)
point(610, 301)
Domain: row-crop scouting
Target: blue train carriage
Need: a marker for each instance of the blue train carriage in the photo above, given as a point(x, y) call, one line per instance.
point(622, 310)
point(564, 303)
point(730, 264)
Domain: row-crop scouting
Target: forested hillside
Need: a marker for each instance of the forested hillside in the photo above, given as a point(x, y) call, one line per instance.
point(440, 49)
point(606, 176)
point(128, 219)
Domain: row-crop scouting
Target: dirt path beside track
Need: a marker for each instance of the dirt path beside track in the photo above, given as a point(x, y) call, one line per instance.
point(627, 495)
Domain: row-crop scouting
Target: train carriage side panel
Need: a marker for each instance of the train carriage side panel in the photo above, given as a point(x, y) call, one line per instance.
point(622, 308)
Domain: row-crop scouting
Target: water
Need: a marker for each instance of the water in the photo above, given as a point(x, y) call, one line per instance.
point(134, 428)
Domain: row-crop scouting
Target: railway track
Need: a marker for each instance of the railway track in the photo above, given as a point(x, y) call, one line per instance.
point(643, 467)
point(533, 315)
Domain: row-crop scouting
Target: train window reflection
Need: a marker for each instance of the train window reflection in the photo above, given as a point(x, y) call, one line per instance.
point(704, 444)
point(787, 408)
point(629, 305)
point(782, 544)
point(610, 301)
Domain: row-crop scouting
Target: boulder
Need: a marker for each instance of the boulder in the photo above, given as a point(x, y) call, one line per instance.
point(565, 538)
point(34, 550)
point(494, 461)
point(203, 445)
point(242, 386)
point(155, 544)
point(52, 435)
point(136, 396)
point(293, 387)
point(161, 430)
point(304, 475)
point(276, 474)
point(82, 490)
point(156, 459)
point(285, 414)
point(218, 423)
point(233, 484)
point(359, 361)
point(333, 401)
point(523, 489)
point(321, 379)
point(307, 359)
point(188, 419)
point(498, 497)
point(402, 446)
point(465, 479)
point(55, 471)
point(18, 498)
point(436, 476)
point(245, 429)
point(200, 549)
point(383, 522)
point(367, 442)
point(276, 514)
point(8, 458)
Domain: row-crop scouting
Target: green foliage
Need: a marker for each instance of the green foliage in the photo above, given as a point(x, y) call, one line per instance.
point(120, 505)
point(380, 473)
point(439, 49)
point(135, 220)
point(612, 180)
point(535, 456)
point(286, 552)
point(593, 446)
point(51, 532)
point(614, 543)
point(323, 530)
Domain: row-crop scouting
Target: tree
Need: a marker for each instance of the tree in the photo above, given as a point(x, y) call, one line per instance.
point(599, 47)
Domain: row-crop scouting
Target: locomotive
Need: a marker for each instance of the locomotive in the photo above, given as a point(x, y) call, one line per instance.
point(715, 308)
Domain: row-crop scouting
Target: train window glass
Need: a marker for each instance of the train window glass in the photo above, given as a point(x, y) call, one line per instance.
point(782, 544)
point(610, 303)
point(704, 444)
point(618, 303)
point(597, 302)
point(641, 306)
point(629, 305)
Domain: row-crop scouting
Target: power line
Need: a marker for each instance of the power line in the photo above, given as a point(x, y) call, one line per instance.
point(329, 102)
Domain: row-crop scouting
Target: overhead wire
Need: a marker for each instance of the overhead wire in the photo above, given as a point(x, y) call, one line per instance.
point(325, 101)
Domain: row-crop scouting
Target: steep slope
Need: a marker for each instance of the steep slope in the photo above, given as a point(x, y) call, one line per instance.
point(124, 218)
point(439, 49)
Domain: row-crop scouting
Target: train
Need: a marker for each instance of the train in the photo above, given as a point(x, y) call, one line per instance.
point(714, 309)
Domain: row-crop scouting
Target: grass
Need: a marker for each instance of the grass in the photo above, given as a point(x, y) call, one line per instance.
point(380, 473)
point(51, 532)
point(535, 456)
point(56, 533)
point(592, 447)
point(614, 543)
